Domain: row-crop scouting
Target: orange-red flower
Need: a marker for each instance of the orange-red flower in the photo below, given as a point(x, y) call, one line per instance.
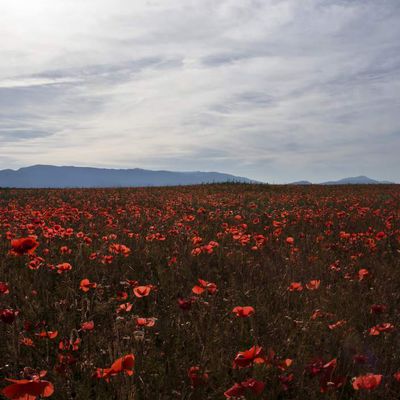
point(238, 390)
point(368, 382)
point(86, 285)
point(142, 291)
point(289, 240)
point(27, 342)
point(124, 364)
point(47, 334)
point(63, 267)
point(87, 326)
point(243, 312)
point(378, 329)
point(117, 248)
point(295, 287)
point(255, 355)
point(124, 307)
point(149, 322)
point(4, 288)
point(362, 273)
point(337, 324)
point(210, 287)
point(313, 284)
point(28, 389)
point(26, 245)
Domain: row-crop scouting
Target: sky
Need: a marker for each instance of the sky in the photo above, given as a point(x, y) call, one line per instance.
point(274, 90)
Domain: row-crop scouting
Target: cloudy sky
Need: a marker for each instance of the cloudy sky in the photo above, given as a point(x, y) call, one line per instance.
point(275, 90)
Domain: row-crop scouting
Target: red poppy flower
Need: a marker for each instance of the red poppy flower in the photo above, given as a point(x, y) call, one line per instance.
point(8, 315)
point(255, 355)
point(186, 304)
point(86, 285)
point(69, 344)
point(87, 326)
point(368, 382)
point(124, 364)
point(25, 245)
point(197, 377)
point(396, 376)
point(27, 342)
point(149, 322)
point(142, 291)
point(378, 329)
point(243, 312)
point(289, 240)
point(362, 273)
point(63, 267)
point(240, 389)
point(378, 308)
point(4, 288)
point(124, 307)
point(116, 248)
point(313, 284)
point(122, 295)
point(295, 287)
point(210, 287)
point(28, 389)
point(47, 334)
point(317, 314)
point(337, 324)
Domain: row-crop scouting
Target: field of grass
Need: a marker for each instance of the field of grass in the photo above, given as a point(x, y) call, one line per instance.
point(129, 293)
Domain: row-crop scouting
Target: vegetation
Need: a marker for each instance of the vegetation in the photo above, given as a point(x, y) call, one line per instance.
point(201, 292)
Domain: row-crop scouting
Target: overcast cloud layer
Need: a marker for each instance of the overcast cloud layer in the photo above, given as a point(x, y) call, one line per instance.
point(273, 90)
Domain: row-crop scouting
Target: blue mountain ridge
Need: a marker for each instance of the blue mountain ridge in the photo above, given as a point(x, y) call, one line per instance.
point(49, 176)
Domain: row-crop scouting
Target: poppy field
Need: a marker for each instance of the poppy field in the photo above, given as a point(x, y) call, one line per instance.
point(201, 292)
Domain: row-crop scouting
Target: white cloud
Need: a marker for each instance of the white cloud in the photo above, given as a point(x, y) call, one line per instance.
point(276, 90)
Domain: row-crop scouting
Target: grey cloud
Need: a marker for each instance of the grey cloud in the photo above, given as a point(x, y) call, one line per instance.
point(250, 87)
point(21, 134)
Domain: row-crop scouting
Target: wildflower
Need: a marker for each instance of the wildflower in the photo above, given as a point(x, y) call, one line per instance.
point(26, 245)
point(313, 284)
point(142, 291)
point(8, 315)
point(124, 364)
point(28, 389)
point(210, 287)
point(86, 285)
point(240, 389)
point(368, 382)
point(245, 311)
point(197, 377)
point(295, 287)
point(255, 355)
point(63, 267)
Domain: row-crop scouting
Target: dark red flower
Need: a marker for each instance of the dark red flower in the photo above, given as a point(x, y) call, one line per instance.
point(25, 245)
point(28, 389)
point(243, 312)
point(124, 364)
point(4, 288)
point(8, 315)
point(240, 389)
point(255, 355)
point(368, 382)
point(197, 376)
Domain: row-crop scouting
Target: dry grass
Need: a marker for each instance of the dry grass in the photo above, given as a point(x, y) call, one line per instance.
point(337, 232)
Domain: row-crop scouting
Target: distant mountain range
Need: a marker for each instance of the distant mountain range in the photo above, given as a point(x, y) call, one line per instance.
point(355, 180)
point(49, 176)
